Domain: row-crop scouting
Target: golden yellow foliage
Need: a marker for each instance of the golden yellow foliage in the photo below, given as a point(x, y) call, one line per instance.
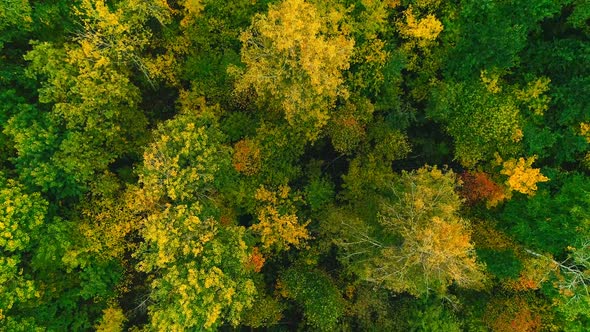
point(294, 56)
point(423, 30)
point(199, 280)
point(280, 230)
point(521, 176)
point(436, 249)
point(112, 320)
point(192, 9)
point(420, 31)
point(490, 80)
point(449, 249)
point(106, 227)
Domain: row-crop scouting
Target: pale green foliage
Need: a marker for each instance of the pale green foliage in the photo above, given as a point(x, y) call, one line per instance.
point(368, 172)
point(316, 293)
point(487, 116)
point(120, 33)
point(21, 215)
point(94, 117)
point(481, 121)
point(294, 57)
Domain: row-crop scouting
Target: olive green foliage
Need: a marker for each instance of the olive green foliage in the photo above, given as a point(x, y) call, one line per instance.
point(480, 121)
point(319, 298)
point(332, 165)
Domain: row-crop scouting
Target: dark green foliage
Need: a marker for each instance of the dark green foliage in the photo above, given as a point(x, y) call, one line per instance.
point(492, 40)
point(319, 193)
point(502, 264)
point(550, 221)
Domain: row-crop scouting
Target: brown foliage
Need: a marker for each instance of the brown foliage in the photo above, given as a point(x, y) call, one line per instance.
point(514, 314)
point(246, 158)
point(256, 260)
point(479, 187)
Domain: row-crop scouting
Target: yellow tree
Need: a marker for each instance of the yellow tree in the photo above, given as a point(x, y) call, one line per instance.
point(195, 264)
point(294, 57)
point(522, 177)
point(421, 244)
point(278, 225)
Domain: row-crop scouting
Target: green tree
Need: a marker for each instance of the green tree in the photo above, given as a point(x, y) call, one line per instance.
point(21, 217)
point(481, 120)
point(316, 293)
point(15, 18)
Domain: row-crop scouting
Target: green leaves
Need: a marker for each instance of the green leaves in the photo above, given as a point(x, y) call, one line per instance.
point(15, 18)
point(181, 163)
point(551, 222)
point(21, 216)
point(196, 164)
point(316, 293)
point(481, 121)
point(196, 266)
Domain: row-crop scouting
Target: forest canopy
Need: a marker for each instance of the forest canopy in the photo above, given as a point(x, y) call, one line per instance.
point(294, 165)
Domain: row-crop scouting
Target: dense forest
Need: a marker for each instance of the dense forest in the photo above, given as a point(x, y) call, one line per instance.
point(295, 165)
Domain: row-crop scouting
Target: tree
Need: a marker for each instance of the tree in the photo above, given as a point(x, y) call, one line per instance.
point(197, 268)
point(278, 225)
point(421, 244)
point(478, 187)
point(549, 222)
point(21, 217)
point(195, 264)
point(316, 293)
point(494, 43)
point(15, 18)
point(93, 116)
point(294, 57)
point(481, 120)
point(521, 176)
point(246, 157)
